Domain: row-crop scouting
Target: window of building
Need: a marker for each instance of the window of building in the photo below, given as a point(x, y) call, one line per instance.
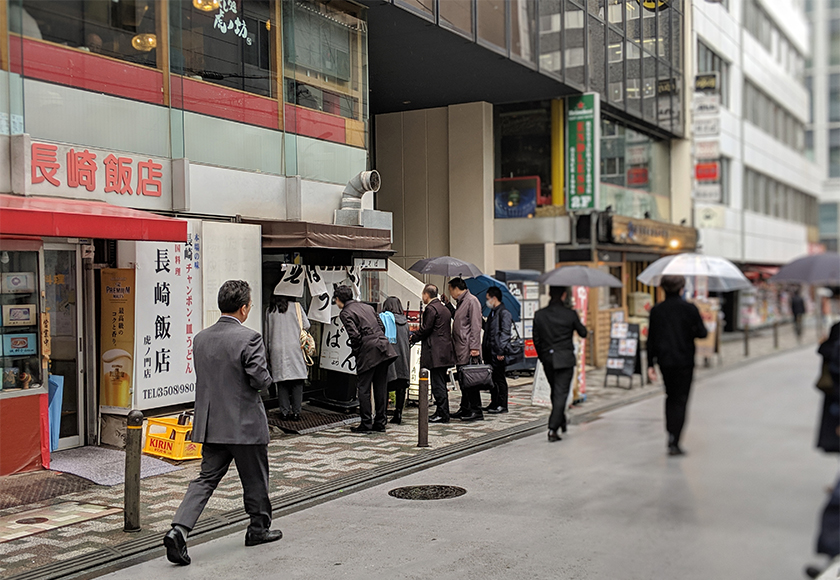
point(708, 61)
point(834, 153)
point(828, 220)
point(551, 36)
point(725, 176)
point(834, 41)
point(121, 29)
point(574, 41)
point(762, 27)
point(765, 195)
point(457, 14)
point(772, 118)
point(491, 18)
point(809, 145)
point(523, 42)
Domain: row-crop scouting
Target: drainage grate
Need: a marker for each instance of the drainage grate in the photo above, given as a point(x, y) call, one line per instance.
point(427, 492)
point(310, 421)
point(37, 486)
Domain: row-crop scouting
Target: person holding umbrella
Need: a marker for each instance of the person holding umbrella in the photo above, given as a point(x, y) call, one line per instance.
point(674, 326)
point(554, 327)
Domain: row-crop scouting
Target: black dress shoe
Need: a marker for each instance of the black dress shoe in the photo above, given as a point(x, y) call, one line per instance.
point(438, 419)
point(813, 572)
point(267, 536)
point(553, 436)
point(294, 417)
point(496, 410)
point(458, 414)
point(674, 450)
point(283, 416)
point(396, 419)
point(360, 429)
point(176, 547)
point(474, 416)
point(378, 428)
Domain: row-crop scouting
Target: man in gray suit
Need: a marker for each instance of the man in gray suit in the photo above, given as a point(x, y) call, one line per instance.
point(230, 421)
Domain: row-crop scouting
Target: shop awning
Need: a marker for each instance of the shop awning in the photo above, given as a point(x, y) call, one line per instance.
point(292, 234)
point(71, 218)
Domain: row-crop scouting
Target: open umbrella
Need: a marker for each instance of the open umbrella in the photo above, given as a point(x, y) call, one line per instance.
point(579, 276)
point(723, 275)
point(446, 266)
point(479, 285)
point(817, 270)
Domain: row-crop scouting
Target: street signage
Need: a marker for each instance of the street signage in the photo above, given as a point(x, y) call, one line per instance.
point(706, 104)
point(707, 171)
point(707, 193)
point(711, 217)
point(707, 126)
point(707, 82)
point(584, 138)
point(707, 149)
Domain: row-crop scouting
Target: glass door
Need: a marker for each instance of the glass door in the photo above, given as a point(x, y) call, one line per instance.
point(62, 284)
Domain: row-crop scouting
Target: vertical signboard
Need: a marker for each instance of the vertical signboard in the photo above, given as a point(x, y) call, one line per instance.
point(116, 368)
point(707, 187)
point(581, 295)
point(584, 142)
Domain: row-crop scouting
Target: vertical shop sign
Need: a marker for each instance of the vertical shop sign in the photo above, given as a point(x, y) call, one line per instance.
point(116, 309)
point(584, 139)
point(581, 294)
point(336, 354)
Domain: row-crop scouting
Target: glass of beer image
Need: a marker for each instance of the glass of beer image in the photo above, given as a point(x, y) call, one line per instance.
point(116, 379)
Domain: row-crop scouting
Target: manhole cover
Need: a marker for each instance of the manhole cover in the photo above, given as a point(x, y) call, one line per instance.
point(427, 492)
point(30, 521)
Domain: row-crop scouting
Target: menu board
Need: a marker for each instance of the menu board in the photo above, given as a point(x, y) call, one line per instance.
point(624, 349)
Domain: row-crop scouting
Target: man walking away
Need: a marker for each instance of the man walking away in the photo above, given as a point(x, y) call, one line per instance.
point(674, 326)
point(797, 308)
point(374, 354)
point(466, 339)
point(436, 353)
point(496, 345)
point(230, 421)
point(554, 328)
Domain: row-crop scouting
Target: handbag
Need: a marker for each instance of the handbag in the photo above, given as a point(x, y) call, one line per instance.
point(516, 345)
point(307, 343)
point(826, 382)
point(476, 375)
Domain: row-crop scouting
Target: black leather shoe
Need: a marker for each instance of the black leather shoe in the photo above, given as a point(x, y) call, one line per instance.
point(458, 414)
point(496, 410)
point(252, 539)
point(396, 419)
point(674, 451)
point(378, 428)
point(813, 572)
point(360, 429)
point(474, 416)
point(294, 417)
point(553, 436)
point(176, 547)
point(438, 419)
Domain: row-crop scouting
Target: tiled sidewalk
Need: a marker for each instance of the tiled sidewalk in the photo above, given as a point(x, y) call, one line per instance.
point(302, 462)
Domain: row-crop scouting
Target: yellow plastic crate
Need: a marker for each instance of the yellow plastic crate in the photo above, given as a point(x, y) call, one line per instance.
point(166, 438)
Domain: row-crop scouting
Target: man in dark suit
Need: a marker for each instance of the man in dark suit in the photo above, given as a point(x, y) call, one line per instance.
point(554, 327)
point(674, 326)
point(437, 353)
point(496, 346)
point(230, 421)
point(374, 354)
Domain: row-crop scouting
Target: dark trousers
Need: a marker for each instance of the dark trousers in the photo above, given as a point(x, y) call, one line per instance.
point(400, 388)
point(470, 399)
point(677, 387)
point(797, 325)
point(376, 378)
point(290, 396)
point(561, 382)
point(499, 391)
point(438, 380)
point(252, 465)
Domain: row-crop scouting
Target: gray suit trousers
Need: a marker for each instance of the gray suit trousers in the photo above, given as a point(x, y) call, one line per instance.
point(252, 465)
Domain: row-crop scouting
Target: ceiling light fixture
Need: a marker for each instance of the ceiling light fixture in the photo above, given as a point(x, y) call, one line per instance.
point(144, 42)
point(206, 5)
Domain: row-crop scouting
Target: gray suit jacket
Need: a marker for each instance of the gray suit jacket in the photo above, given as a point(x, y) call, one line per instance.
point(230, 371)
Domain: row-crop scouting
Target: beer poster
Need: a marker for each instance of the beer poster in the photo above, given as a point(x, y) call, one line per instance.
point(116, 358)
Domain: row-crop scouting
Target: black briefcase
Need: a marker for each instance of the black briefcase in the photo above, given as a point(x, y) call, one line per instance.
point(476, 375)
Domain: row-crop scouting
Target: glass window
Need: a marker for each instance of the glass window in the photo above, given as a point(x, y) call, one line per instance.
point(725, 176)
point(649, 86)
point(597, 56)
point(809, 145)
point(834, 97)
point(615, 12)
point(457, 14)
point(573, 39)
point(615, 64)
point(708, 61)
point(523, 29)
point(426, 7)
point(634, 22)
point(834, 153)
point(20, 361)
point(828, 220)
point(834, 42)
point(551, 36)
point(491, 22)
point(122, 29)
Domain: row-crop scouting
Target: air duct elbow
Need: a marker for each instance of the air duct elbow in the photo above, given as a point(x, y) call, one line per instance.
point(351, 197)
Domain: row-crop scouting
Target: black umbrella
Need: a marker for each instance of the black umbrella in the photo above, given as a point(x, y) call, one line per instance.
point(816, 270)
point(579, 276)
point(446, 266)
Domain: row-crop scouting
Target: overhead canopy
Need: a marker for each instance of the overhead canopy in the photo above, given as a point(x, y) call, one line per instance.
point(71, 218)
point(293, 235)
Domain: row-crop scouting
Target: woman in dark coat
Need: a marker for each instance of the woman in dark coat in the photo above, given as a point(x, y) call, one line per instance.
point(399, 373)
point(828, 440)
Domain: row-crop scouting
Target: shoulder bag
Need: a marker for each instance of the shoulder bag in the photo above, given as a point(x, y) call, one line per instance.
point(307, 343)
point(516, 345)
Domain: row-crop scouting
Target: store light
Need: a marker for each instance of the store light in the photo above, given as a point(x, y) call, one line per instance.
point(144, 42)
point(674, 243)
point(206, 5)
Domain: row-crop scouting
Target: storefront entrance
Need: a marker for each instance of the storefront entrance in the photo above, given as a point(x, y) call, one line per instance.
point(63, 287)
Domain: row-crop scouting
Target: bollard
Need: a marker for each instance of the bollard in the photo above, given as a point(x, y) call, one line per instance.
point(746, 340)
point(133, 441)
point(423, 411)
point(776, 334)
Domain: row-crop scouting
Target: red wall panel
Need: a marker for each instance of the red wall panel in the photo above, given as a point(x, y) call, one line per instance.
point(315, 124)
point(20, 434)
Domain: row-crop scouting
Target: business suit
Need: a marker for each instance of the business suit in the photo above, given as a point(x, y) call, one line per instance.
point(554, 327)
point(230, 420)
point(374, 354)
point(497, 343)
point(437, 353)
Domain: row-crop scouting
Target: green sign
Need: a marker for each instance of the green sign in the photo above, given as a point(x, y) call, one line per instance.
point(583, 124)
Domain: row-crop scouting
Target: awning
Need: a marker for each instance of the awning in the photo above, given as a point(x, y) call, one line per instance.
point(293, 234)
point(71, 218)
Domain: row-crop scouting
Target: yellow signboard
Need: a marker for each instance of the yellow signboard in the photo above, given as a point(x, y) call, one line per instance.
point(654, 5)
point(117, 338)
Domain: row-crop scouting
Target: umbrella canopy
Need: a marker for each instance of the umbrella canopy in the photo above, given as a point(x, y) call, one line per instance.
point(579, 276)
point(817, 270)
point(723, 275)
point(446, 266)
point(479, 285)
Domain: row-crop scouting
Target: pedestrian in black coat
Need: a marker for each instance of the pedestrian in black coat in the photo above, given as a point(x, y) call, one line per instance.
point(373, 353)
point(674, 326)
point(399, 373)
point(437, 353)
point(495, 347)
point(554, 327)
point(828, 439)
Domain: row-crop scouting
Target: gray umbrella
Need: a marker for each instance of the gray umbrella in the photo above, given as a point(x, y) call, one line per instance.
point(817, 270)
point(579, 276)
point(446, 266)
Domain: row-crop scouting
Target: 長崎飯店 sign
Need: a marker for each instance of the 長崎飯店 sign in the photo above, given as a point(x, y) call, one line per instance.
point(584, 138)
